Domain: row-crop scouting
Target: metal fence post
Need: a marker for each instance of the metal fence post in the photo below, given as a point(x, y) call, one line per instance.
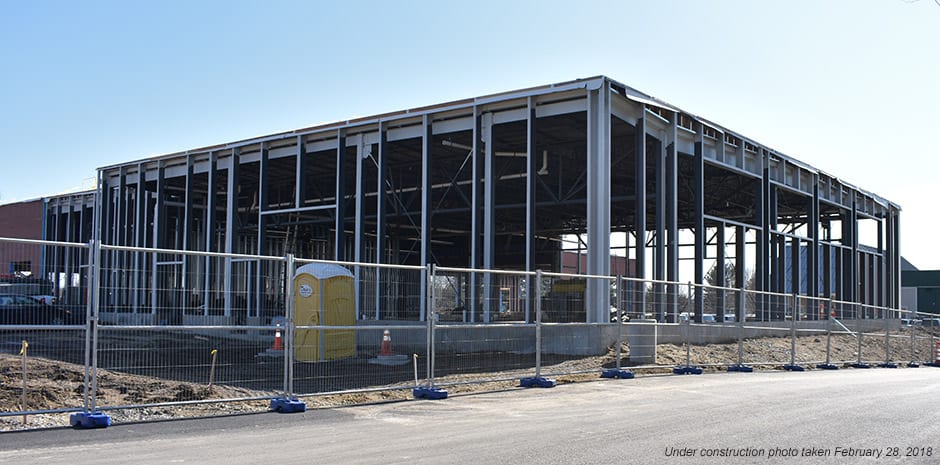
point(289, 331)
point(428, 391)
point(830, 314)
point(537, 380)
point(794, 315)
point(619, 319)
point(88, 306)
point(913, 362)
point(538, 324)
point(742, 315)
point(95, 288)
point(618, 371)
point(432, 317)
point(859, 363)
point(887, 363)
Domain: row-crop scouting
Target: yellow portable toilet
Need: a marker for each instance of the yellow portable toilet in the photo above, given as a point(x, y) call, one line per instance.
point(324, 295)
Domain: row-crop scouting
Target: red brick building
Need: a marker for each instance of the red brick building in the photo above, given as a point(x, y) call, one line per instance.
point(21, 220)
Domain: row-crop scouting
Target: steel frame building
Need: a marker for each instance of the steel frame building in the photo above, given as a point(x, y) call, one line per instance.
point(496, 182)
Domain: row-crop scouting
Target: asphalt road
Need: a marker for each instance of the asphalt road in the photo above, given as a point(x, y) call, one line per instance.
point(771, 417)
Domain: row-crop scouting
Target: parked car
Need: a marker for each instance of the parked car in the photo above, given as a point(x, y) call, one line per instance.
point(18, 309)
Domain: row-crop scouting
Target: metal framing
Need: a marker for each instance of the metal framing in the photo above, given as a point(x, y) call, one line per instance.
point(687, 177)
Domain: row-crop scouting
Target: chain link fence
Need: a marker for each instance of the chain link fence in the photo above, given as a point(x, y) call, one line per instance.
point(121, 329)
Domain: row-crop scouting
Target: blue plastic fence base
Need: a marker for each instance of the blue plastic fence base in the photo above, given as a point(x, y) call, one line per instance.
point(741, 368)
point(89, 420)
point(933, 364)
point(288, 405)
point(827, 366)
point(687, 370)
point(537, 381)
point(789, 367)
point(617, 373)
point(913, 365)
point(425, 392)
point(887, 365)
point(860, 365)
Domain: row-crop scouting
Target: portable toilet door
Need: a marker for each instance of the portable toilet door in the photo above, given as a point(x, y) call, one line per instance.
point(324, 295)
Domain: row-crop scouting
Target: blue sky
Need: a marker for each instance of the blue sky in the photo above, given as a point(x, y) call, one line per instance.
point(850, 87)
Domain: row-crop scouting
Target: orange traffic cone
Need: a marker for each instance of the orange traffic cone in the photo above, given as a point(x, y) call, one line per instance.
point(386, 343)
point(278, 344)
point(385, 355)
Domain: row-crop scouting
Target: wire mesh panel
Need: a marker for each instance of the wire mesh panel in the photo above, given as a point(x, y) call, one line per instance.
point(579, 331)
point(42, 330)
point(41, 370)
point(188, 327)
point(383, 357)
point(468, 353)
point(179, 327)
point(485, 325)
point(358, 327)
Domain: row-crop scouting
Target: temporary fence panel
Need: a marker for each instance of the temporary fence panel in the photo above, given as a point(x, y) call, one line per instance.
point(175, 330)
point(576, 338)
point(477, 340)
point(175, 327)
point(43, 331)
point(358, 327)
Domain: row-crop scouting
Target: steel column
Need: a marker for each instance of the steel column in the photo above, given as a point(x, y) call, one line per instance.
point(699, 182)
point(210, 228)
point(672, 215)
point(489, 219)
point(659, 265)
point(476, 219)
point(598, 203)
point(339, 242)
point(640, 216)
point(720, 278)
point(231, 212)
point(740, 267)
point(381, 200)
point(812, 256)
point(262, 228)
point(531, 181)
point(795, 274)
point(426, 202)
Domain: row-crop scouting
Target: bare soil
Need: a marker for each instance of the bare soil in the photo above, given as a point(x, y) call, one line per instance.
point(54, 384)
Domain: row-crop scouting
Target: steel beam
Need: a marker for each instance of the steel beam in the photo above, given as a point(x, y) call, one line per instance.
point(531, 182)
point(812, 256)
point(231, 232)
point(698, 172)
point(339, 243)
point(720, 278)
point(210, 215)
point(476, 218)
point(300, 166)
point(159, 237)
point(640, 217)
point(426, 202)
point(598, 203)
point(263, 183)
point(880, 273)
point(489, 220)
point(795, 275)
point(381, 200)
point(740, 267)
point(659, 265)
point(672, 215)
